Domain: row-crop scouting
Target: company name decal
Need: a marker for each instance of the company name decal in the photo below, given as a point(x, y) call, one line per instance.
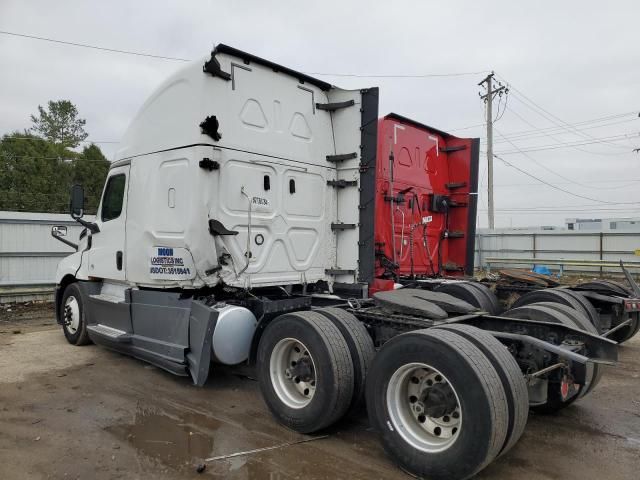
point(167, 263)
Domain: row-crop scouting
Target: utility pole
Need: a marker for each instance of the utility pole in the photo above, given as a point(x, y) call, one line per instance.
point(488, 99)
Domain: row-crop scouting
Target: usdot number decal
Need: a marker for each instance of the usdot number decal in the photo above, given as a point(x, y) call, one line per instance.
point(168, 263)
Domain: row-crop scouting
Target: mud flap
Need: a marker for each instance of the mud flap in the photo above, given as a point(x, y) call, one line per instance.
point(202, 322)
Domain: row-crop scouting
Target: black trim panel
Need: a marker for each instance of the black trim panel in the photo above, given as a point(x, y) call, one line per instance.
point(474, 161)
point(368, 151)
point(248, 57)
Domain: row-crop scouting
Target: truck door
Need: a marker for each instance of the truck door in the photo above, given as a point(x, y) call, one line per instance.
point(106, 256)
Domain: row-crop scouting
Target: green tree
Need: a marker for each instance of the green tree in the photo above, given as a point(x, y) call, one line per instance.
point(34, 174)
point(59, 124)
point(90, 170)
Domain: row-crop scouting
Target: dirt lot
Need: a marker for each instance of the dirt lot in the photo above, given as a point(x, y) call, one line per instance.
point(86, 412)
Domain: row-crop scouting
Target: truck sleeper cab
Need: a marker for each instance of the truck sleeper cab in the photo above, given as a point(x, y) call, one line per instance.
point(238, 223)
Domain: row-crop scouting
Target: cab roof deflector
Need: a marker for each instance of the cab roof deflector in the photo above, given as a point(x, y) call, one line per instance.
point(212, 66)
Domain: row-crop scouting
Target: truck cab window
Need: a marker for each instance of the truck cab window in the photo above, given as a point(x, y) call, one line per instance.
point(113, 197)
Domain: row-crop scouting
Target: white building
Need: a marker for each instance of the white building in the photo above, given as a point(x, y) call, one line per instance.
point(603, 224)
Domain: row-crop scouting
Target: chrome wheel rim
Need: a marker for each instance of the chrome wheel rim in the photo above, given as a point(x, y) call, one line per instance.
point(71, 314)
point(293, 373)
point(424, 408)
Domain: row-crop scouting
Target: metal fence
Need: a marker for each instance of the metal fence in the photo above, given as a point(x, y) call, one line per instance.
point(29, 255)
point(572, 246)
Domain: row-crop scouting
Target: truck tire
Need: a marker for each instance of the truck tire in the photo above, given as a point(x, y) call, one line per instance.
point(465, 291)
point(297, 353)
point(361, 349)
point(438, 404)
point(496, 308)
point(512, 378)
point(592, 313)
point(627, 332)
point(578, 317)
point(74, 322)
point(554, 401)
point(558, 296)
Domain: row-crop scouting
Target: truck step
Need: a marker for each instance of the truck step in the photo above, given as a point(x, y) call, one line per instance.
point(110, 333)
point(105, 297)
point(341, 157)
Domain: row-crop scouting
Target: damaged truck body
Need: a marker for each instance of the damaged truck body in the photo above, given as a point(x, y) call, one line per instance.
point(256, 214)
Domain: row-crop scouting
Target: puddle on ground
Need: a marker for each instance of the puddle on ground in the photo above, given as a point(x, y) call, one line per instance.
point(183, 439)
point(176, 441)
point(174, 437)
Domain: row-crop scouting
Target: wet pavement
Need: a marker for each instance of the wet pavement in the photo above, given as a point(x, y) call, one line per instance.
point(86, 412)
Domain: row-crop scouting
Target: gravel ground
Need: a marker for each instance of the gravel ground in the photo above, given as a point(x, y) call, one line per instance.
point(86, 412)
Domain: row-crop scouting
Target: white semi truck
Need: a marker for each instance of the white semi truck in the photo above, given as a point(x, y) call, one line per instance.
point(227, 233)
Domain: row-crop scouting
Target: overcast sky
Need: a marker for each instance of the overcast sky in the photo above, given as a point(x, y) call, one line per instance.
point(577, 60)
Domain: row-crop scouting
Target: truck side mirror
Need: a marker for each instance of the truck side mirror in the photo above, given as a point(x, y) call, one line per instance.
point(59, 231)
point(77, 201)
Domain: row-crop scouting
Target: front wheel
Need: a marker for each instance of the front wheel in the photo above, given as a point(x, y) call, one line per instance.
point(74, 323)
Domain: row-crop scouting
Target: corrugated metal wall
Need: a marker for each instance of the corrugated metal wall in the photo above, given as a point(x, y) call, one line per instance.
point(610, 246)
point(29, 254)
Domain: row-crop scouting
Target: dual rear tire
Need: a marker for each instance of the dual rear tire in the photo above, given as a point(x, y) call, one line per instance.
point(446, 401)
point(312, 367)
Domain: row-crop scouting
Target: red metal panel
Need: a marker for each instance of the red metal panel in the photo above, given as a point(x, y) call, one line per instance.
point(421, 167)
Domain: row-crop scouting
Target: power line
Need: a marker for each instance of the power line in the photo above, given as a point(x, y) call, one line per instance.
point(590, 206)
point(62, 158)
point(94, 47)
point(533, 159)
point(547, 168)
point(567, 183)
point(627, 212)
point(540, 132)
point(629, 184)
point(555, 187)
point(575, 131)
point(550, 116)
point(426, 75)
point(466, 128)
point(560, 140)
point(37, 138)
point(555, 146)
point(178, 59)
point(555, 128)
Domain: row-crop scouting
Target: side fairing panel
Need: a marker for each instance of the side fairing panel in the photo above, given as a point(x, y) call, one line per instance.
point(430, 168)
